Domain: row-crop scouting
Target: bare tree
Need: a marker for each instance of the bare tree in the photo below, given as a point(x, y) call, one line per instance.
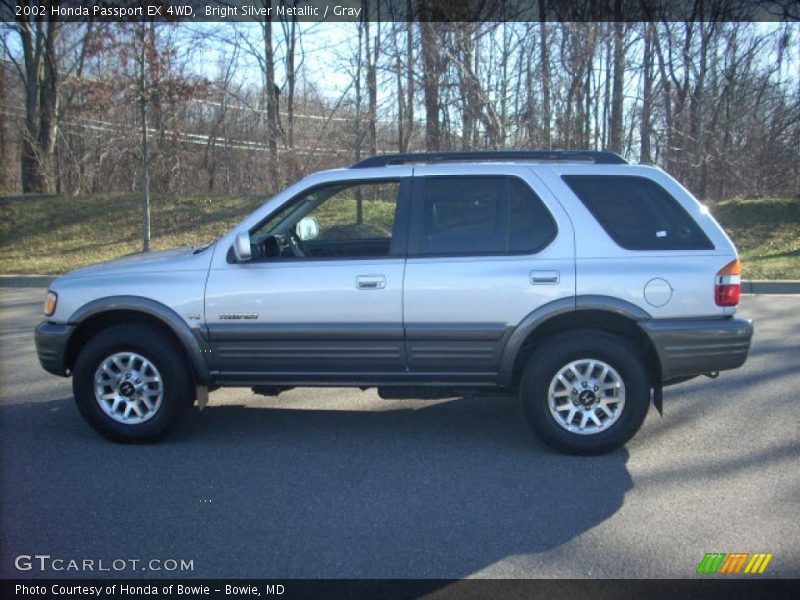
point(431, 72)
point(715, 103)
point(263, 51)
point(39, 73)
point(290, 38)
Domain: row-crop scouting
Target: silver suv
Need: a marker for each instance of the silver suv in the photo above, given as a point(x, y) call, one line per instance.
point(580, 282)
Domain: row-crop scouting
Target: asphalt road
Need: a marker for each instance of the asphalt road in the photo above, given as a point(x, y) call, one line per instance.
point(339, 483)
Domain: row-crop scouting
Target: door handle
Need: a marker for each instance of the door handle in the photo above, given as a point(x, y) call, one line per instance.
point(370, 282)
point(545, 277)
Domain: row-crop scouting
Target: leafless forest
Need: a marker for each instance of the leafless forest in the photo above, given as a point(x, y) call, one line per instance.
point(233, 108)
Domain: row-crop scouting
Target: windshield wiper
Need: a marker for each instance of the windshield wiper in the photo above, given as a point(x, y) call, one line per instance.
point(200, 249)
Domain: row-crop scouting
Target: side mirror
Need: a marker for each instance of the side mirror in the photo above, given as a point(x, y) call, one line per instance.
point(241, 247)
point(307, 229)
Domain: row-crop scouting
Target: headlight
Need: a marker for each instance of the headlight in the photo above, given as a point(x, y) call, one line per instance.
point(50, 304)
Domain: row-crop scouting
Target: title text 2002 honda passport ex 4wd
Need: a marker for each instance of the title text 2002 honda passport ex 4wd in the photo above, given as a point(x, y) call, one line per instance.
point(581, 282)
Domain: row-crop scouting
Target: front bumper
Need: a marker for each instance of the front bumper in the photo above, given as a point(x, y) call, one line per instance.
point(51, 346)
point(690, 347)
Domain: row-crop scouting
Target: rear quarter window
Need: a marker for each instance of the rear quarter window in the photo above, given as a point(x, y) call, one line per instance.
point(637, 213)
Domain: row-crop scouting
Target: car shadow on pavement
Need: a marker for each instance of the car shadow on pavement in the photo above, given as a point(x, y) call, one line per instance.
point(428, 490)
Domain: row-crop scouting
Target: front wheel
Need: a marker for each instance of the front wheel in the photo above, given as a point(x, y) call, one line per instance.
point(585, 393)
point(130, 383)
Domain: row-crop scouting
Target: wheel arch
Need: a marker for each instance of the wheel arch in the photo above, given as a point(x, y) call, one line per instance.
point(604, 313)
point(100, 314)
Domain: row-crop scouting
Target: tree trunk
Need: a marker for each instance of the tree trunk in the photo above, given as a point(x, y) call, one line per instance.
point(669, 119)
point(606, 90)
point(372, 52)
point(647, 96)
point(359, 138)
point(430, 79)
point(469, 100)
point(144, 148)
point(504, 89)
point(697, 111)
point(4, 149)
point(290, 37)
point(398, 75)
point(41, 104)
point(48, 110)
point(587, 89)
point(272, 108)
point(410, 88)
point(615, 129)
point(530, 100)
point(545, 76)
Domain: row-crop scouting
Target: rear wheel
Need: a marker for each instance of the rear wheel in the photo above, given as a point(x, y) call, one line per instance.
point(131, 382)
point(585, 393)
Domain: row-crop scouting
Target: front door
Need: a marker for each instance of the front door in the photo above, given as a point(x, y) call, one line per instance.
point(322, 295)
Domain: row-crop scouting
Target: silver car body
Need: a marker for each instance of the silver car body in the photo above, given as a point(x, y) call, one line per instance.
point(438, 320)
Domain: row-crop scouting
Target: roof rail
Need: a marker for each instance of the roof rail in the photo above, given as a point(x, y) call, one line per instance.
point(598, 157)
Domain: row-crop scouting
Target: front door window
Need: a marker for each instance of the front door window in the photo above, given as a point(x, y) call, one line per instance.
point(349, 220)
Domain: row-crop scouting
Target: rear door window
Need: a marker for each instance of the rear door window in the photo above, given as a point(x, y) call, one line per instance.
point(637, 213)
point(482, 215)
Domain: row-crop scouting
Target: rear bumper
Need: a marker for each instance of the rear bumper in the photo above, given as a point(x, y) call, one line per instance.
point(689, 347)
point(51, 346)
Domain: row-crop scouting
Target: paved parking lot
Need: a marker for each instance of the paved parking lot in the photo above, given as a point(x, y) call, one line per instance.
point(339, 483)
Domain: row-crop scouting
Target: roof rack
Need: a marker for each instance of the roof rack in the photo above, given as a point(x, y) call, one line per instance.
point(598, 157)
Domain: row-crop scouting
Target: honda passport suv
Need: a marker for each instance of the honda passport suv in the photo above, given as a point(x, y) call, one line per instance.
point(580, 282)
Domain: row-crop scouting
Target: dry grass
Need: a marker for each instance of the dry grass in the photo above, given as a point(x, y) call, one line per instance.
point(55, 234)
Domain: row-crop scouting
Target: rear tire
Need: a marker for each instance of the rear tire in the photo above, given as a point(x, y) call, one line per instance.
point(585, 392)
point(131, 382)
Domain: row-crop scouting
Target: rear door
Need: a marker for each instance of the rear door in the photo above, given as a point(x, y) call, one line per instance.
point(485, 250)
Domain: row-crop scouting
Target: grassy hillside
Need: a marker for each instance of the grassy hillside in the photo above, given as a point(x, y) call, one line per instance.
point(54, 234)
point(766, 232)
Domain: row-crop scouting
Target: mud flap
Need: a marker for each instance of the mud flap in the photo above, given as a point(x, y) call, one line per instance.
point(658, 399)
point(201, 393)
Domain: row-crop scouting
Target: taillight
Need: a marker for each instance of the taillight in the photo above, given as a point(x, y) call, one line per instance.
point(728, 284)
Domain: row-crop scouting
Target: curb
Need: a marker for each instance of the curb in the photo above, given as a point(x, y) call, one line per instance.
point(776, 286)
point(24, 281)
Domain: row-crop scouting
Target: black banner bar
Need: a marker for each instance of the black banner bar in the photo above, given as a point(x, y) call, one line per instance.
point(734, 588)
point(399, 10)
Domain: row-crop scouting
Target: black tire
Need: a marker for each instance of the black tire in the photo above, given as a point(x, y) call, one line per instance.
point(557, 352)
point(157, 348)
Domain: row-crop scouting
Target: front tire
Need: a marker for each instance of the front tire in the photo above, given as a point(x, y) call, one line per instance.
point(585, 392)
point(130, 383)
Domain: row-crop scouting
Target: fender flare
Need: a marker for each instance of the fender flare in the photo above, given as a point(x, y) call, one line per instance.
point(552, 309)
point(190, 339)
